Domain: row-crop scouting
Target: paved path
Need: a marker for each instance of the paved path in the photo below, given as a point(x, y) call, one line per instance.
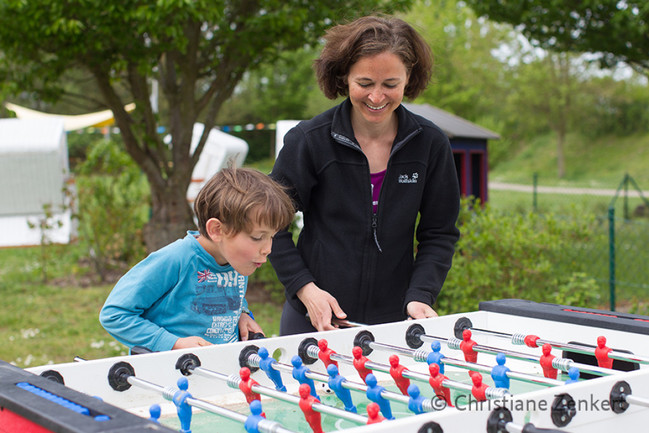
point(499, 186)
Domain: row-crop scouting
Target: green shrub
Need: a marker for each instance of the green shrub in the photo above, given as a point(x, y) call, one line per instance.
point(113, 207)
point(517, 255)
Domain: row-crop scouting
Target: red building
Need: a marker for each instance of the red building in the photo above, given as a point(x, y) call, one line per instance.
point(469, 143)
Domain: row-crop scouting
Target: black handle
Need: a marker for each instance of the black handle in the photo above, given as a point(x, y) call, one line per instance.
point(530, 428)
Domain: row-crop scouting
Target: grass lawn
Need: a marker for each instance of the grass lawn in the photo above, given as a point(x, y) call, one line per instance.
point(53, 322)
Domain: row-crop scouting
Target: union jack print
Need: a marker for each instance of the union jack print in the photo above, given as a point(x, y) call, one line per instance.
point(204, 276)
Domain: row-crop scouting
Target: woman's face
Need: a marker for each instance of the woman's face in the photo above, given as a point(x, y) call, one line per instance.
point(376, 86)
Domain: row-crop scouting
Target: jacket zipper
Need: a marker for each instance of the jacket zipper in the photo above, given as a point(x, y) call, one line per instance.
point(375, 219)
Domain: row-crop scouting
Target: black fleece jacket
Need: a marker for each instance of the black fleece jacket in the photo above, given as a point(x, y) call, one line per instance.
point(366, 260)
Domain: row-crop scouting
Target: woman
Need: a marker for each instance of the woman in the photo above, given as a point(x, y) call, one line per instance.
point(361, 173)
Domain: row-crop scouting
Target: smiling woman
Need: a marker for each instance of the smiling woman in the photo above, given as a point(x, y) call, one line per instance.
point(346, 168)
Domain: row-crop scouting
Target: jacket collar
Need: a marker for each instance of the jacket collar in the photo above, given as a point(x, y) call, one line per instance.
point(342, 131)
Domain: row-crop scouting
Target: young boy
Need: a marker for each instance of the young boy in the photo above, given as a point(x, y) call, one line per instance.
point(191, 292)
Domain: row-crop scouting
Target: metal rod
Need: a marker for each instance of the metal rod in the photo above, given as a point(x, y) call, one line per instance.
point(572, 347)
point(636, 400)
point(268, 426)
point(233, 382)
point(563, 364)
point(448, 383)
point(321, 377)
point(524, 377)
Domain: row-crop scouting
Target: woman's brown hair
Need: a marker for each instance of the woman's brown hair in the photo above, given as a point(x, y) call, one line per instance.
point(368, 36)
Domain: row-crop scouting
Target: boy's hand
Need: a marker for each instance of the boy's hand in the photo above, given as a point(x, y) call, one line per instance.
point(183, 343)
point(321, 307)
point(247, 326)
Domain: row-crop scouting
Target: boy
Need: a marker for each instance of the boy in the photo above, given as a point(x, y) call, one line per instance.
point(191, 292)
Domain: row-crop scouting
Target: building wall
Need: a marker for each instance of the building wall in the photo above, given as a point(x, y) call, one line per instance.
point(471, 165)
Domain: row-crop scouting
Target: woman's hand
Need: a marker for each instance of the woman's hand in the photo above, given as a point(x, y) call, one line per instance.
point(320, 306)
point(247, 326)
point(419, 310)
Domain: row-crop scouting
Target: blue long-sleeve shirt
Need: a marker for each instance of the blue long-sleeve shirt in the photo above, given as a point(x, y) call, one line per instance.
point(177, 291)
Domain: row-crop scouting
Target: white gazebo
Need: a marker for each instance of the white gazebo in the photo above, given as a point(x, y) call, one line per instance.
point(33, 175)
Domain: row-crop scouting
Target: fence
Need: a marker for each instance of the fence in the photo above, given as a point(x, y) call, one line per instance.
point(616, 253)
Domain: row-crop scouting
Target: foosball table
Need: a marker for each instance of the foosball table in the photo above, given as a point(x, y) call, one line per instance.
point(511, 366)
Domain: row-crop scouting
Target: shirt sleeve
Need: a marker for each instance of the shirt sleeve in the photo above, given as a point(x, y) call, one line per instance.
point(134, 293)
point(293, 169)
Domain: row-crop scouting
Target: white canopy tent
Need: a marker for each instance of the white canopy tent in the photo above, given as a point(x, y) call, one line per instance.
point(219, 150)
point(70, 122)
point(33, 174)
point(34, 168)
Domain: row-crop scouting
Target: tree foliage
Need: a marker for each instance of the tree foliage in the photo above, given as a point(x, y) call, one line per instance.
point(197, 50)
point(462, 45)
point(617, 30)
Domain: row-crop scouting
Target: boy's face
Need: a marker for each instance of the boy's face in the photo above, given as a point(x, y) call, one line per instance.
point(244, 251)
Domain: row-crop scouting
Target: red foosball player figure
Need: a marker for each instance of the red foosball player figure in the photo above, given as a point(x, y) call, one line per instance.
point(601, 353)
point(546, 362)
point(530, 341)
point(374, 414)
point(359, 362)
point(478, 390)
point(396, 371)
point(325, 353)
point(306, 405)
point(246, 385)
point(436, 381)
point(467, 345)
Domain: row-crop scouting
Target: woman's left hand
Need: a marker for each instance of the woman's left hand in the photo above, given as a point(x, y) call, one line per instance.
point(419, 310)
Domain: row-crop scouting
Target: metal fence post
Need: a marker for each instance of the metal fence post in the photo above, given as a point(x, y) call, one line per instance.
point(611, 252)
point(535, 181)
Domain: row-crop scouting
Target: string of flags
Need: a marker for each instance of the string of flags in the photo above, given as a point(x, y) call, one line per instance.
point(103, 121)
point(248, 127)
point(225, 128)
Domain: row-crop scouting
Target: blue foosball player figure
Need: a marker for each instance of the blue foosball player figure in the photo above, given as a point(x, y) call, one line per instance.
point(252, 422)
point(374, 393)
point(266, 364)
point(154, 412)
point(299, 374)
point(416, 400)
point(499, 372)
point(183, 408)
point(436, 356)
point(336, 384)
point(573, 375)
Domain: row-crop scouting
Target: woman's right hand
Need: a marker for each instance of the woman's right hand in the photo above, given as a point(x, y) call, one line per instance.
point(320, 305)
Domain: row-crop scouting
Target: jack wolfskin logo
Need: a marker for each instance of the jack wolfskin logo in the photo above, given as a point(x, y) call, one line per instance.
point(404, 178)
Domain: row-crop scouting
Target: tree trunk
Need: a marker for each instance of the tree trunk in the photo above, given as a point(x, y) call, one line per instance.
point(171, 217)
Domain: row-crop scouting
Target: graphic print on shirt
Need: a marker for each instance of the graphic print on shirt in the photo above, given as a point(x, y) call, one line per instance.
point(219, 295)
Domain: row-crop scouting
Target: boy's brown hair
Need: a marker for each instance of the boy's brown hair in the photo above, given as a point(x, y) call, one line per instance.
point(240, 197)
point(367, 36)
